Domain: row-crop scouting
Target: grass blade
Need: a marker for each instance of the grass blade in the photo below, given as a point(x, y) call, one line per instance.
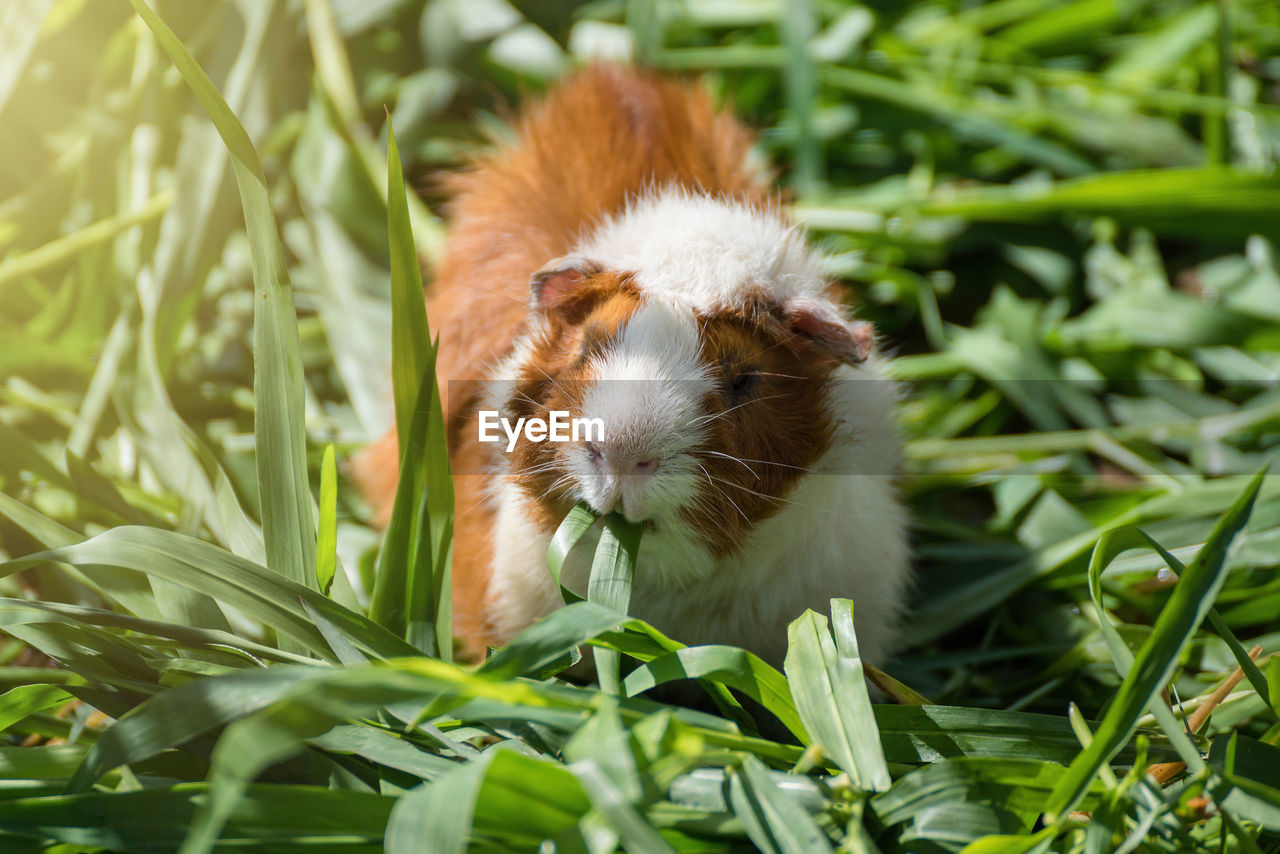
point(551, 638)
point(288, 527)
point(251, 588)
point(180, 715)
point(831, 697)
point(18, 703)
point(1192, 597)
point(775, 822)
point(327, 531)
point(16, 267)
point(1109, 545)
point(1241, 655)
point(410, 333)
point(412, 594)
point(612, 571)
point(730, 666)
point(47, 532)
point(574, 527)
point(635, 833)
point(441, 811)
point(279, 817)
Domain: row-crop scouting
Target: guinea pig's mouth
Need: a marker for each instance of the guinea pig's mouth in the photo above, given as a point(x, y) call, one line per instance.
point(654, 499)
point(649, 524)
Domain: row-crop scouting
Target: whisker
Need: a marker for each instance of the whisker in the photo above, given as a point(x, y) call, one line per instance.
point(553, 381)
point(761, 462)
point(784, 341)
point(531, 401)
point(721, 492)
point(736, 460)
point(712, 417)
point(794, 503)
point(559, 483)
point(775, 374)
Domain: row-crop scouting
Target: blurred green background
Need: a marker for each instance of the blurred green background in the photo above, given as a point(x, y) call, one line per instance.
point(1062, 215)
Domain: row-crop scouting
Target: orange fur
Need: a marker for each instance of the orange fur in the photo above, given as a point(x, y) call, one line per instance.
point(601, 136)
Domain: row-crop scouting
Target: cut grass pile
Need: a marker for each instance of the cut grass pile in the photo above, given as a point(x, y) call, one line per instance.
point(1062, 217)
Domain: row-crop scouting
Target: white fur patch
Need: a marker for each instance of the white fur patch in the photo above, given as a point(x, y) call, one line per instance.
point(521, 589)
point(703, 251)
point(647, 391)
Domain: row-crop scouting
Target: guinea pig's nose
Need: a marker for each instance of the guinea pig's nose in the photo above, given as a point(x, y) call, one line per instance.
point(648, 466)
point(612, 460)
point(632, 464)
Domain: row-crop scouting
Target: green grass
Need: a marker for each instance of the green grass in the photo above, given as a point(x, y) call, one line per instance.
point(1062, 217)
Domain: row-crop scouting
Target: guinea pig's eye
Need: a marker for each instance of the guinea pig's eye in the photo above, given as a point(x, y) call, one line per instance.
point(743, 385)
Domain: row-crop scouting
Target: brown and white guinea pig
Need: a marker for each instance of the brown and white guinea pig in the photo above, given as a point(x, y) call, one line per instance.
point(624, 261)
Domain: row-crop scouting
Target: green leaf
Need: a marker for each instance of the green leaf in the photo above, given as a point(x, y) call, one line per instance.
point(605, 743)
point(440, 811)
point(410, 334)
point(1109, 545)
point(327, 532)
point(389, 604)
point(412, 591)
point(1194, 202)
point(775, 822)
point(1251, 671)
point(1273, 682)
point(20, 611)
point(337, 79)
point(275, 818)
point(612, 571)
point(528, 800)
point(288, 528)
point(177, 716)
point(1191, 600)
point(831, 697)
point(552, 637)
point(923, 734)
point(47, 532)
point(312, 706)
point(342, 645)
point(20, 265)
point(606, 796)
point(238, 583)
point(45, 762)
point(961, 822)
point(25, 700)
point(1011, 844)
point(1020, 785)
point(384, 748)
point(1252, 771)
point(567, 535)
point(730, 666)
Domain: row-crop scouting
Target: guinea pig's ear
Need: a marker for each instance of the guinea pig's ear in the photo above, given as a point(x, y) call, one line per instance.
point(850, 341)
point(550, 286)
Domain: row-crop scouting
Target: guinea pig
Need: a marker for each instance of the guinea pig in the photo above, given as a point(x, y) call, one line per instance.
point(624, 263)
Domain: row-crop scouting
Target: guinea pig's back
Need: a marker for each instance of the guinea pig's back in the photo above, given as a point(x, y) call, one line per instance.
point(599, 137)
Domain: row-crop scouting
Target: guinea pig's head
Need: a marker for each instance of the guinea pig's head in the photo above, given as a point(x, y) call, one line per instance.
point(696, 419)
